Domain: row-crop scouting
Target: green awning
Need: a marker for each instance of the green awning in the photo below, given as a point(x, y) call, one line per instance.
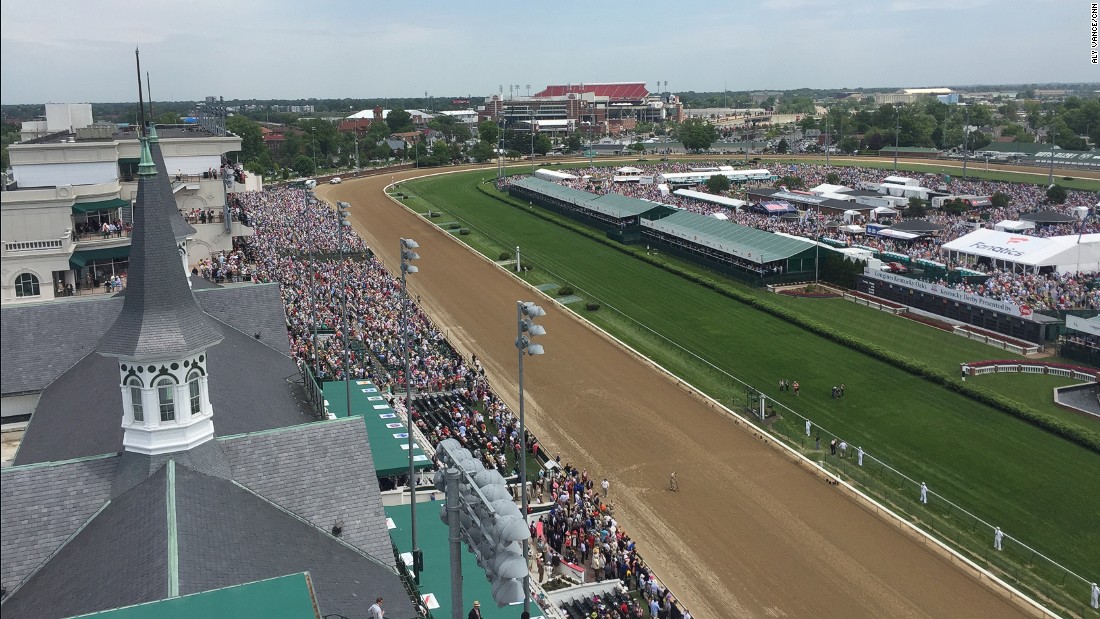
point(385, 430)
point(100, 205)
point(80, 259)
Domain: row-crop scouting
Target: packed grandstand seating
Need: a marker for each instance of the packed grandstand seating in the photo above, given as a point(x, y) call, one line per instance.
point(454, 398)
point(1053, 291)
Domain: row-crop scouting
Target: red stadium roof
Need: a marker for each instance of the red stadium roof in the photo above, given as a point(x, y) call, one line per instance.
point(631, 91)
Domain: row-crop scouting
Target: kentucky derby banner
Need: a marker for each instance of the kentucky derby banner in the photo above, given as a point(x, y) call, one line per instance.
point(953, 294)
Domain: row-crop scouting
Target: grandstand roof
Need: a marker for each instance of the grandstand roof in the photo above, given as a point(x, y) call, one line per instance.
point(613, 205)
point(621, 90)
point(741, 241)
point(620, 206)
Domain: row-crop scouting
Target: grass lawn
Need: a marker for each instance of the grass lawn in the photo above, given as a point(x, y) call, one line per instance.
point(1000, 468)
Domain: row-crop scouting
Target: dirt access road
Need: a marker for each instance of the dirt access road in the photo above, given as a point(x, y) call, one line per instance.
point(751, 533)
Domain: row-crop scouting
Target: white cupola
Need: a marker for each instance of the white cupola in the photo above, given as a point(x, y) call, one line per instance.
point(161, 335)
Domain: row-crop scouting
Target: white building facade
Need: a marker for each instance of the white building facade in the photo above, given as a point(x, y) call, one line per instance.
point(69, 185)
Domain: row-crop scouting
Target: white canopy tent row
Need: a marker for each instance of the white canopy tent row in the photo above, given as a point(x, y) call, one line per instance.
point(695, 178)
point(1026, 254)
point(732, 203)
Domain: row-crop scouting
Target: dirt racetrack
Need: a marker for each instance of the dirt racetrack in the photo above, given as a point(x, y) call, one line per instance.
point(751, 533)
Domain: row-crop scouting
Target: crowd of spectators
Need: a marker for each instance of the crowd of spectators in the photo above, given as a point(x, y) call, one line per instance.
point(297, 243)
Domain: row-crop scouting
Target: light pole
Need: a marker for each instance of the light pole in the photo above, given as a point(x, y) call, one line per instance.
point(344, 223)
point(408, 255)
point(966, 142)
point(897, 136)
point(1050, 172)
point(313, 139)
point(526, 328)
point(827, 138)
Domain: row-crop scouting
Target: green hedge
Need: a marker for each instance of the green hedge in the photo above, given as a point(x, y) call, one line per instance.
point(592, 306)
point(504, 255)
point(565, 291)
point(1081, 436)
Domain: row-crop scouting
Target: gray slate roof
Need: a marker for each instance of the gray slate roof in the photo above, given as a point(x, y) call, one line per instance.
point(159, 316)
point(41, 335)
point(180, 227)
point(80, 414)
point(322, 472)
point(118, 559)
point(225, 535)
point(42, 506)
point(228, 535)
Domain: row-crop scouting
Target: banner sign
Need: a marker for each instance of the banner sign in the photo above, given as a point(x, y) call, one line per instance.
point(953, 294)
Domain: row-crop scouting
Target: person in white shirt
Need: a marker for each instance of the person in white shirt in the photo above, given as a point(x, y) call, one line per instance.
point(375, 611)
point(604, 486)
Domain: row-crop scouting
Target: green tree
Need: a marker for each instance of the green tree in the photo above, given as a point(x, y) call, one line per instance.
point(999, 199)
point(848, 144)
point(791, 182)
point(697, 135)
point(1056, 194)
point(832, 178)
point(637, 147)
point(718, 183)
point(916, 208)
point(482, 152)
point(488, 131)
point(542, 144)
point(573, 142)
point(399, 121)
point(304, 166)
point(252, 139)
point(783, 146)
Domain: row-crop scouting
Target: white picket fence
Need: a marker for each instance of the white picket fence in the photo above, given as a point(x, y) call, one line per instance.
point(996, 342)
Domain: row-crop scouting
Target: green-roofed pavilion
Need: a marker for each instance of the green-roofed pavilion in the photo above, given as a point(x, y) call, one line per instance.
point(289, 596)
point(742, 251)
point(608, 212)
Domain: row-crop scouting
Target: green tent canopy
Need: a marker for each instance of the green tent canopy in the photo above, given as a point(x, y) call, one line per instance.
point(100, 205)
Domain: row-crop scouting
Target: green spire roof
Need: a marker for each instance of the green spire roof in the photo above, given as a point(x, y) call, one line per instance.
point(153, 139)
point(146, 167)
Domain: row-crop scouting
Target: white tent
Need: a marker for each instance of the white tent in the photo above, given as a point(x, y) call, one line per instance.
point(732, 203)
point(882, 211)
point(852, 229)
point(721, 216)
point(850, 216)
point(827, 188)
point(553, 175)
point(1019, 252)
point(628, 170)
point(1009, 225)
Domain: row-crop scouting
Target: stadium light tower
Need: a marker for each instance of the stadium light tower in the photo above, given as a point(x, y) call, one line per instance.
point(526, 312)
point(408, 255)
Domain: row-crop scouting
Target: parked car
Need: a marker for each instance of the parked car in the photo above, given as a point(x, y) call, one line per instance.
point(895, 267)
point(336, 180)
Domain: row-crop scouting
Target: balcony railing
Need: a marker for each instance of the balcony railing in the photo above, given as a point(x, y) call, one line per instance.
point(33, 245)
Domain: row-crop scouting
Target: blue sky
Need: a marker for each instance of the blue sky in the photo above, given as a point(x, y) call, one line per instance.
point(73, 50)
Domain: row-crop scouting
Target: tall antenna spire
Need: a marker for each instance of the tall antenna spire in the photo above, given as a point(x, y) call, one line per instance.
point(149, 91)
point(141, 101)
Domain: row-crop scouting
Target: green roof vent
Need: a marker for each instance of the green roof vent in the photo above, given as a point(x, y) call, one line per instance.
point(146, 166)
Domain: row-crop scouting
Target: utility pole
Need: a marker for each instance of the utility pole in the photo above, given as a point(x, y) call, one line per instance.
point(966, 142)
